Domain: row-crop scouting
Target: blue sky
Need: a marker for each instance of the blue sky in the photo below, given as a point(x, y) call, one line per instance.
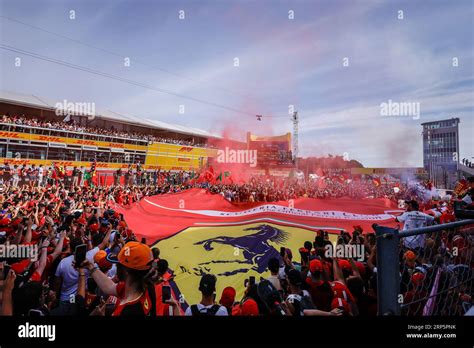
point(282, 62)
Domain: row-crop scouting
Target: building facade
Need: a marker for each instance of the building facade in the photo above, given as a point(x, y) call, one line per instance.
point(441, 151)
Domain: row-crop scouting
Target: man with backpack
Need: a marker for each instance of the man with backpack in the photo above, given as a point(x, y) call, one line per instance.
point(207, 306)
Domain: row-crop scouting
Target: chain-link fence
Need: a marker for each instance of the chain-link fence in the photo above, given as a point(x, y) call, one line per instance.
point(426, 271)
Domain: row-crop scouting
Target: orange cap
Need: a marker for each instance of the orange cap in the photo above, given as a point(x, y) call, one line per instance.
point(99, 255)
point(410, 256)
point(136, 255)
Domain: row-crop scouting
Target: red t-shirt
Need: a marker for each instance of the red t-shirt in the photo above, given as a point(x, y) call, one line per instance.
point(140, 306)
point(321, 293)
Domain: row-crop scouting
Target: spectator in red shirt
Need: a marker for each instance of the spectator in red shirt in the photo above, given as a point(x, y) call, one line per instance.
point(135, 296)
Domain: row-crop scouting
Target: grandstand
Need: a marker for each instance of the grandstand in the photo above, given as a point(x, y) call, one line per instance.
point(31, 132)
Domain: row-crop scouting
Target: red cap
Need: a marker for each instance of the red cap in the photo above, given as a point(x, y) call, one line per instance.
point(228, 296)
point(249, 308)
point(315, 265)
point(410, 256)
point(417, 278)
point(94, 228)
point(345, 265)
point(81, 221)
point(101, 260)
point(20, 267)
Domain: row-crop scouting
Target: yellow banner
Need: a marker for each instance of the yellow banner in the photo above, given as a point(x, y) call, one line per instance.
point(158, 155)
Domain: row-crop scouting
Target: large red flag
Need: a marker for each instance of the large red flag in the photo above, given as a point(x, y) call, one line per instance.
point(163, 215)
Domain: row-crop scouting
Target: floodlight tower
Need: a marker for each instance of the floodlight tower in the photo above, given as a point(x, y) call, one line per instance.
point(295, 120)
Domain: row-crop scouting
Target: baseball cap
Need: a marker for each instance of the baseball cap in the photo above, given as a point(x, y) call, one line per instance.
point(345, 265)
point(94, 228)
point(249, 308)
point(208, 283)
point(410, 256)
point(99, 255)
point(417, 278)
point(134, 255)
point(315, 265)
point(228, 296)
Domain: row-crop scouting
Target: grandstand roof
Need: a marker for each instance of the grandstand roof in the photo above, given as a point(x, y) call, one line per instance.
point(31, 100)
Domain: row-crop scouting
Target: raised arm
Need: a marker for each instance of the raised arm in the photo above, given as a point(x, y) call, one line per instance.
point(103, 282)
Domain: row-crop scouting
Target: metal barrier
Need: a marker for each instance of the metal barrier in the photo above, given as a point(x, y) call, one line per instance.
point(433, 279)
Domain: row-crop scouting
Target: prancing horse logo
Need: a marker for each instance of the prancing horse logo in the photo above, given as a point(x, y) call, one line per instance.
point(255, 247)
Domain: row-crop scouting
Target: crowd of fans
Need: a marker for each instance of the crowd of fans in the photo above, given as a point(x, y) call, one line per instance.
point(270, 189)
point(261, 188)
point(73, 126)
point(90, 262)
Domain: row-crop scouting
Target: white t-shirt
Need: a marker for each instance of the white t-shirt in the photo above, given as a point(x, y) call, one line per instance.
point(222, 311)
point(412, 220)
point(275, 280)
point(70, 277)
